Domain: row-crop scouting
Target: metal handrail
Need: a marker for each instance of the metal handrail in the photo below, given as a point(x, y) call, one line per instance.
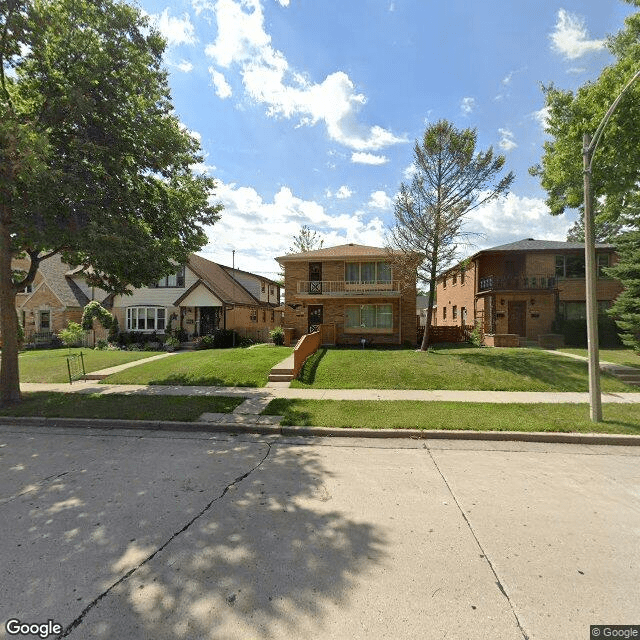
point(519, 282)
point(338, 287)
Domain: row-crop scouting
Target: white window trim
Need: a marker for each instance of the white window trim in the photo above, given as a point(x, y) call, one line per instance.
point(360, 328)
point(129, 316)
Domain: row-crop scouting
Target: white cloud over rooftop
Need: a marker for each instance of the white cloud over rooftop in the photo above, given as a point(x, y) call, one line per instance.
point(570, 37)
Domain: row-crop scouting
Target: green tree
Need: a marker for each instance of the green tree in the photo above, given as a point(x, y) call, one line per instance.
point(450, 180)
point(94, 162)
point(615, 175)
point(307, 240)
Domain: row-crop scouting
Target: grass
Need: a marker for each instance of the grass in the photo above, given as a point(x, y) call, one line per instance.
point(212, 367)
point(383, 414)
point(624, 356)
point(450, 367)
point(113, 406)
point(50, 365)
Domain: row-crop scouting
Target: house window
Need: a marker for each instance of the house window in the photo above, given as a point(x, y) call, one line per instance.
point(444, 313)
point(462, 277)
point(145, 318)
point(570, 266)
point(45, 320)
point(367, 272)
point(602, 260)
point(264, 316)
point(254, 314)
point(273, 316)
point(264, 287)
point(577, 310)
point(444, 283)
point(368, 316)
point(455, 312)
point(463, 316)
point(455, 278)
point(173, 280)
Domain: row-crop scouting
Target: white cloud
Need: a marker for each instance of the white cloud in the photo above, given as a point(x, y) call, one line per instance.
point(368, 158)
point(257, 246)
point(242, 42)
point(283, 3)
point(514, 218)
point(185, 66)
point(343, 192)
point(570, 38)
point(175, 30)
point(380, 200)
point(223, 90)
point(409, 172)
point(507, 143)
point(541, 116)
point(467, 105)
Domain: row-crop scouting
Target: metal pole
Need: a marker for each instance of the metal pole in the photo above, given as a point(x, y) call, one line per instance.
point(595, 396)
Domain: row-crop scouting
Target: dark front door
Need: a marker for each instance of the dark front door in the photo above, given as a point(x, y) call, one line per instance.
point(315, 277)
point(209, 320)
point(517, 317)
point(315, 317)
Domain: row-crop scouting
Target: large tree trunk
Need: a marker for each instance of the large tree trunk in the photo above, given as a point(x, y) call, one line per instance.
point(9, 375)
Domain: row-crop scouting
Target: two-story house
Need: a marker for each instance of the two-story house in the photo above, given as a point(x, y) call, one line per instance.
point(350, 293)
point(517, 290)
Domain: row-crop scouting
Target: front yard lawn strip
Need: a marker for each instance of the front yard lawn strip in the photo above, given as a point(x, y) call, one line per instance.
point(401, 414)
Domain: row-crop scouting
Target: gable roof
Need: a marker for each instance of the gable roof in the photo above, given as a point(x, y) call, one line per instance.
point(54, 273)
point(219, 282)
point(231, 270)
point(350, 250)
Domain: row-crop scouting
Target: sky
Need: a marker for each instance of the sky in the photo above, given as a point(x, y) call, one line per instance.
point(307, 111)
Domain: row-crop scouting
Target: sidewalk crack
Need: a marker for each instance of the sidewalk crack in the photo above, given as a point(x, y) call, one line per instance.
point(483, 552)
point(78, 621)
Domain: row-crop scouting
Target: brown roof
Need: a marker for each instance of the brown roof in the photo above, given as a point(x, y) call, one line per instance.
point(54, 273)
point(341, 251)
point(220, 282)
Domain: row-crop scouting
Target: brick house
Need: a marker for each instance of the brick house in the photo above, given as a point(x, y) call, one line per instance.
point(517, 290)
point(201, 296)
point(349, 292)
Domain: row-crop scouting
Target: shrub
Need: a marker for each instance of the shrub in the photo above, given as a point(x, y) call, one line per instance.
point(114, 331)
point(102, 345)
point(575, 332)
point(72, 336)
point(277, 335)
point(475, 337)
point(219, 339)
point(95, 310)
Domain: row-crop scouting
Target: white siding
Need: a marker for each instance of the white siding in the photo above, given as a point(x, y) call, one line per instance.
point(160, 296)
point(93, 293)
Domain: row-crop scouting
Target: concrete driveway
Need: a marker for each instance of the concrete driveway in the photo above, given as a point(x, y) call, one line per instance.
point(124, 535)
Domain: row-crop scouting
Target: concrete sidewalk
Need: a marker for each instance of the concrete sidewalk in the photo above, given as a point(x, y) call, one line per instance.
point(334, 394)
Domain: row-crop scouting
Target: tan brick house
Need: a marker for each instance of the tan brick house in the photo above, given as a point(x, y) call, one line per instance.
point(350, 292)
point(517, 290)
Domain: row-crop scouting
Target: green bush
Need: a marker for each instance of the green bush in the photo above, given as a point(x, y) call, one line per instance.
point(72, 336)
point(220, 339)
point(575, 332)
point(102, 345)
point(114, 331)
point(277, 336)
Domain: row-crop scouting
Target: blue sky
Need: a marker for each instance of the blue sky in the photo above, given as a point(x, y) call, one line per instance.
point(307, 110)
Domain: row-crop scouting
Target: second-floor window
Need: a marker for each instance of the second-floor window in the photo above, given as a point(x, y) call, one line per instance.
point(368, 272)
point(174, 280)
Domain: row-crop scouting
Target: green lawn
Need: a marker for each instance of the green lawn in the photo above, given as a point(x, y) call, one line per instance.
point(212, 367)
point(131, 406)
point(623, 356)
point(488, 369)
point(383, 414)
point(50, 365)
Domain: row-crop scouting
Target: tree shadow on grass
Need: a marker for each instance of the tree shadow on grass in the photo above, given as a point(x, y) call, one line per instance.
point(152, 538)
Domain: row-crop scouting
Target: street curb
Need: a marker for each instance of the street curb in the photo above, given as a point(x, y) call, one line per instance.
point(267, 429)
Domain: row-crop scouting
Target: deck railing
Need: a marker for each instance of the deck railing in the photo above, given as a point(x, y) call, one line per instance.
point(342, 288)
point(517, 283)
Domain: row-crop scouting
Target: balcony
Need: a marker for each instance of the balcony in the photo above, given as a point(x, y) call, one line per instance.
point(517, 283)
point(345, 289)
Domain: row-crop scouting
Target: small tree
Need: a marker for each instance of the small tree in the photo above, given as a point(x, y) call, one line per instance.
point(72, 336)
point(449, 181)
point(307, 240)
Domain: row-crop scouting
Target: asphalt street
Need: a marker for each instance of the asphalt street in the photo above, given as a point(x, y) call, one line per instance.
point(114, 534)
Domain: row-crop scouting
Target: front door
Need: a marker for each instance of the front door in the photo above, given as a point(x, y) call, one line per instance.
point(209, 320)
point(315, 317)
point(517, 317)
point(315, 277)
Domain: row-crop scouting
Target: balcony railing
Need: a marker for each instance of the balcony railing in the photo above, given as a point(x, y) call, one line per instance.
point(517, 283)
point(342, 288)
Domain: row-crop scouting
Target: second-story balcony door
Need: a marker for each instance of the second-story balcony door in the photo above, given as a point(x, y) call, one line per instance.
point(315, 277)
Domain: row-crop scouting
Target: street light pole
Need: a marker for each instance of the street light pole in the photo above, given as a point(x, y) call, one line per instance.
point(588, 149)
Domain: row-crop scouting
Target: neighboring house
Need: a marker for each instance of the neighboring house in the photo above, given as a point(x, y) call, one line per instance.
point(350, 293)
point(200, 297)
point(56, 297)
point(519, 289)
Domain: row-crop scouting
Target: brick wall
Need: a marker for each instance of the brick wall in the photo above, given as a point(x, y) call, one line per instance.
point(459, 295)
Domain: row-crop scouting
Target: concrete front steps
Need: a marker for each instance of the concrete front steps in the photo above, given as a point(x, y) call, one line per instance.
point(283, 371)
point(630, 375)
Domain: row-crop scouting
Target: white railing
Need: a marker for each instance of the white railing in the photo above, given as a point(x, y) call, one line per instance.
point(342, 288)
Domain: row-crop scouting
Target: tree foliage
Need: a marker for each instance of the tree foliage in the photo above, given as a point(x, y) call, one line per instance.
point(307, 240)
point(94, 162)
point(450, 180)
